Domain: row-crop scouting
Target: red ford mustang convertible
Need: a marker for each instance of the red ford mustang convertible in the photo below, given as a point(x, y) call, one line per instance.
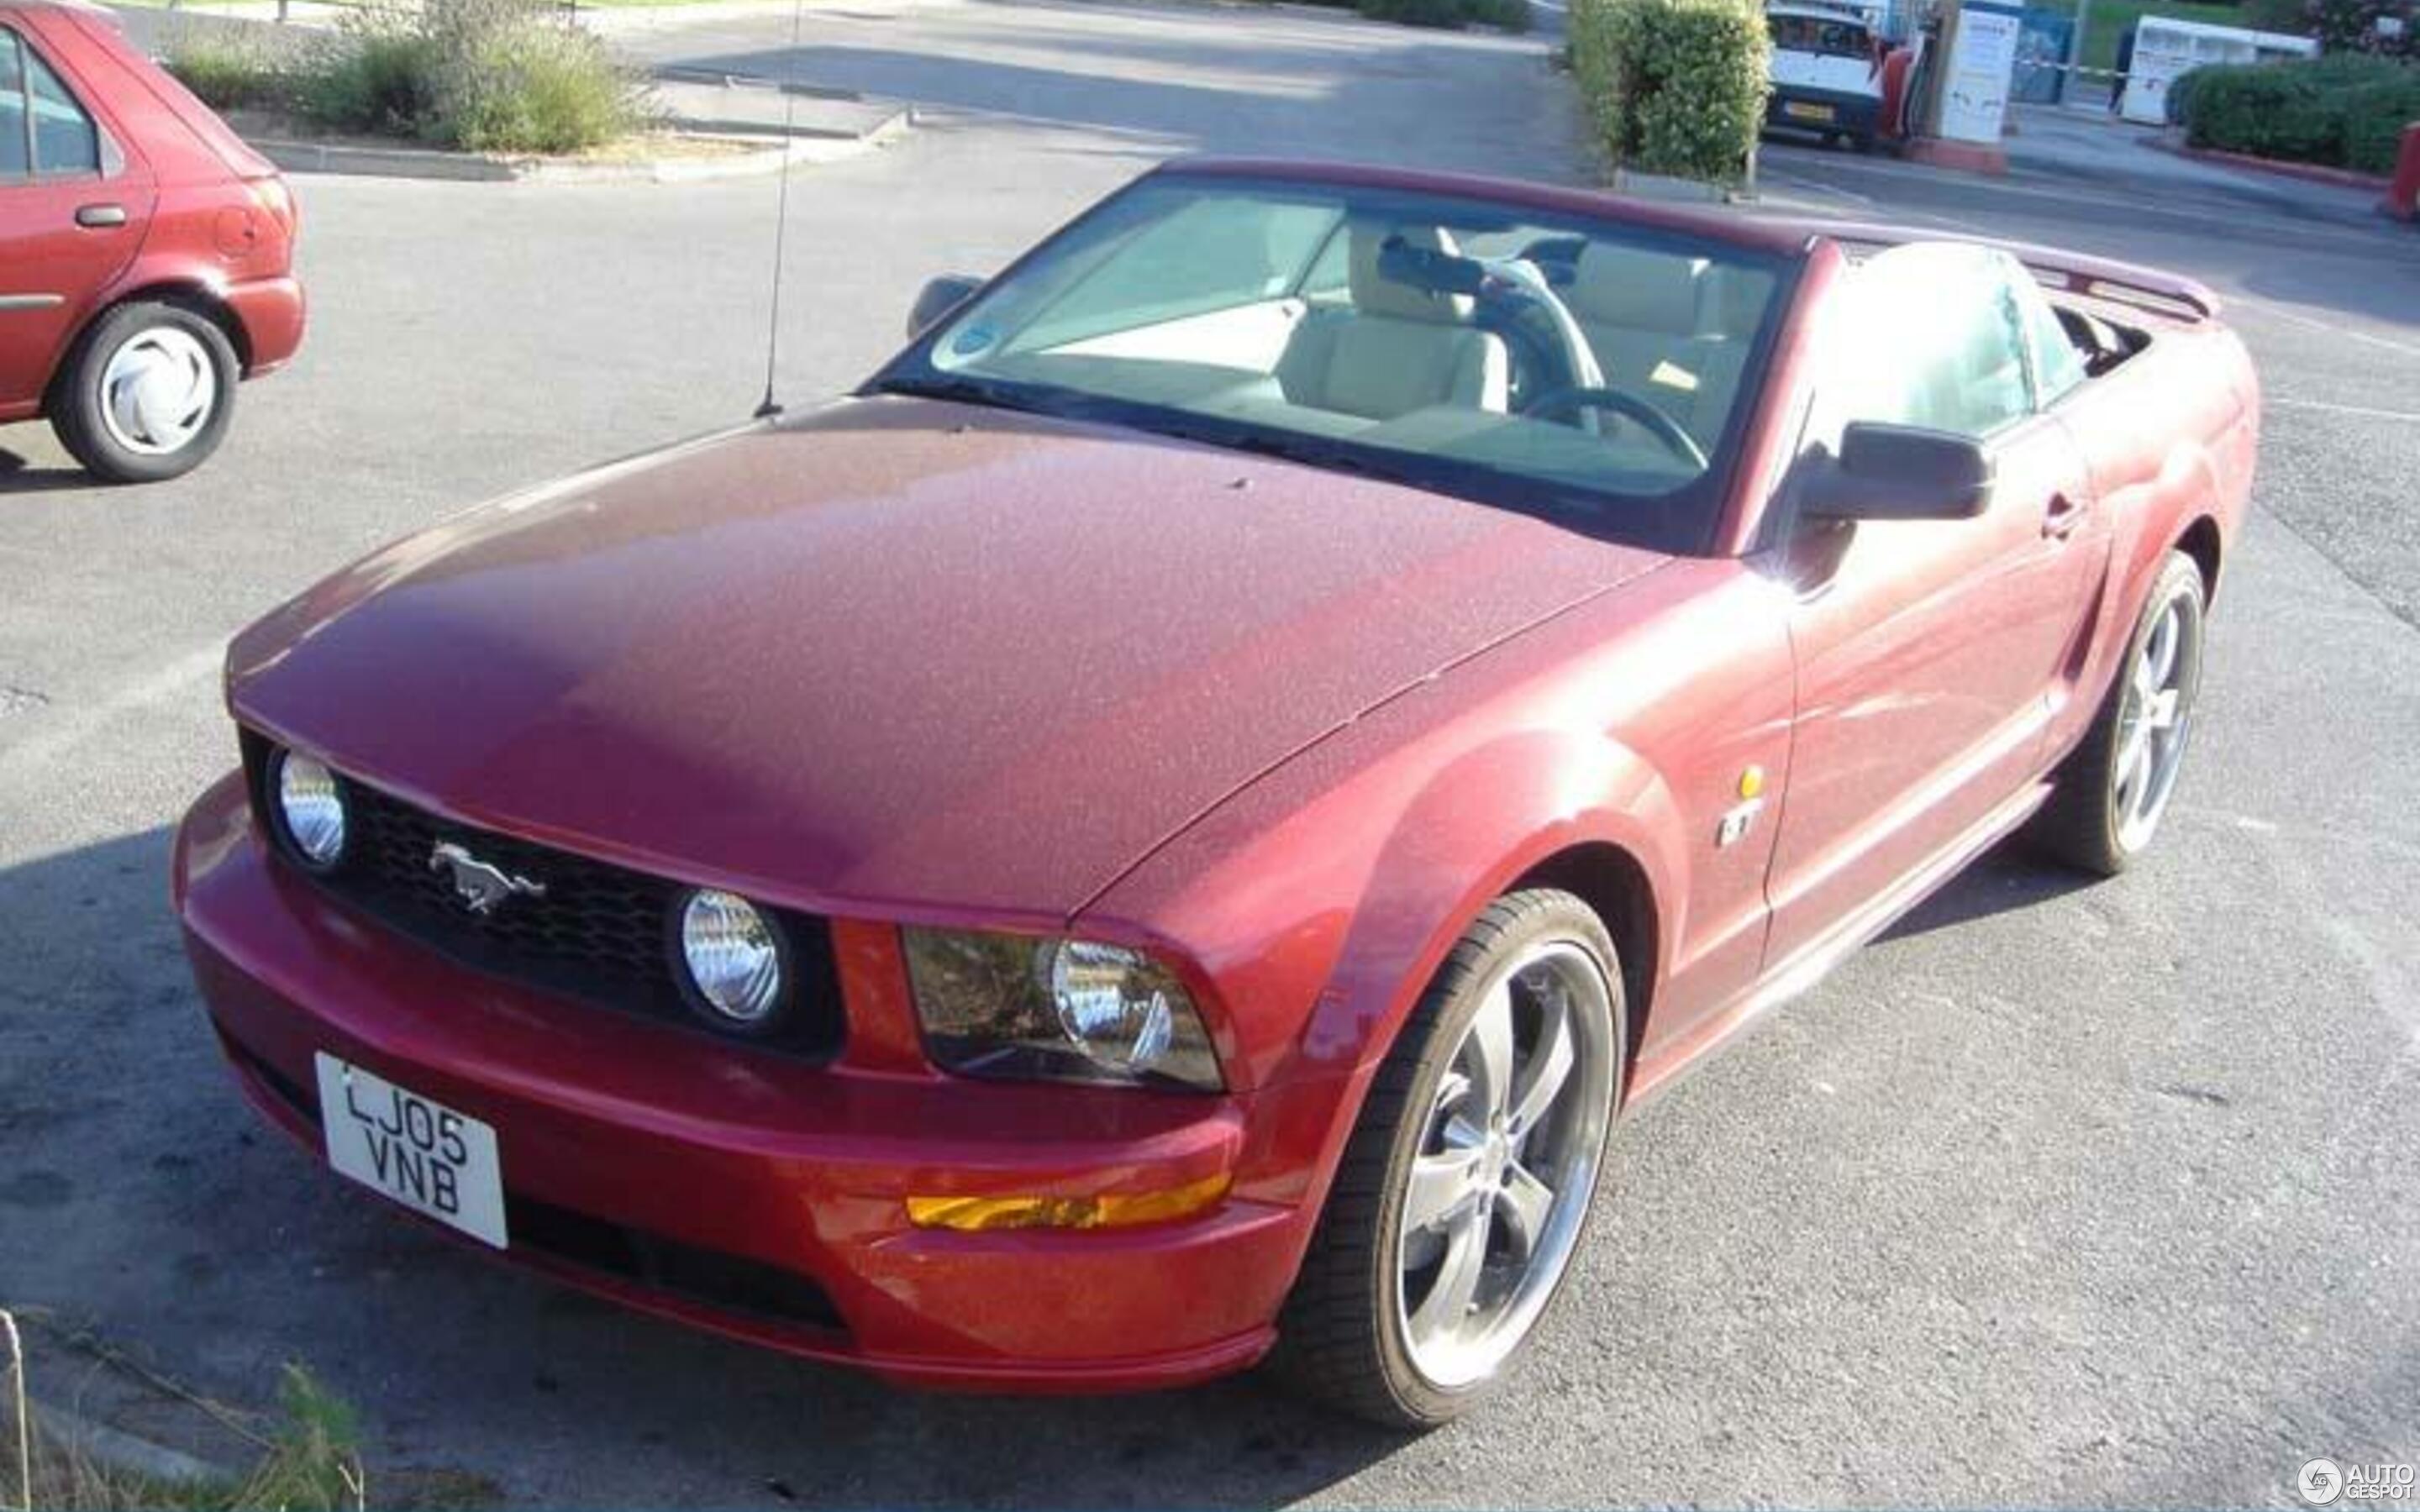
point(1170, 824)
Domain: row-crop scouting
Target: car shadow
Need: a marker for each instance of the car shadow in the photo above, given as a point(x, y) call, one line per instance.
point(132, 1173)
point(2009, 876)
point(18, 474)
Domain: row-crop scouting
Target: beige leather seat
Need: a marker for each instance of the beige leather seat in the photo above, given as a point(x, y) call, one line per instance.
point(1668, 329)
point(1396, 349)
point(1638, 310)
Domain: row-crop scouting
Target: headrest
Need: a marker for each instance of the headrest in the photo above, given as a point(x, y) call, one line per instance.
point(1373, 293)
point(1633, 289)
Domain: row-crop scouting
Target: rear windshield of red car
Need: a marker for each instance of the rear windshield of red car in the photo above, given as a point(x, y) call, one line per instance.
point(1594, 372)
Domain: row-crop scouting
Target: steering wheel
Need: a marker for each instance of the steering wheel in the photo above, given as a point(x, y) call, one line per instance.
point(1666, 429)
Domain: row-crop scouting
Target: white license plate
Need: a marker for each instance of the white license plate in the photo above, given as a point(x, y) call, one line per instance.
point(420, 1152)
point(1797, 110)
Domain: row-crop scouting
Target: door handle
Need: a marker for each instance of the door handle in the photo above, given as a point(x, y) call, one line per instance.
point(2061, 517)
point(95, 217)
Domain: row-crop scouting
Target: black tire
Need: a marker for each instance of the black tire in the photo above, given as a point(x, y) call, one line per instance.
point(77, 407)
point(1339, 1340)
point(2085, 823)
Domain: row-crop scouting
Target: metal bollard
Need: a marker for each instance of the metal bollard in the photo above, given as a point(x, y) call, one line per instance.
point(2403, 199)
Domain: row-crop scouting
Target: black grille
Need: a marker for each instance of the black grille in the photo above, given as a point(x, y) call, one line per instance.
point(599, 934)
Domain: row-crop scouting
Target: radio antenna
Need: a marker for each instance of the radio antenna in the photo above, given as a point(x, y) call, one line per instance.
point(770, 407)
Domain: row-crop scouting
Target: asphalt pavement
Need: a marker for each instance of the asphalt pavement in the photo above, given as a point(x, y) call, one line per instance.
point(2060, 1195)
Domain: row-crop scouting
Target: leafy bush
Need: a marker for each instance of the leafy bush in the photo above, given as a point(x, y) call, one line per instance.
point(1511, 15)
point(225, 74)
point(539, 89)
point(376, 81)
point(485, 75)
point(1673, 86)
point(2345, 110)
point(2375, 115)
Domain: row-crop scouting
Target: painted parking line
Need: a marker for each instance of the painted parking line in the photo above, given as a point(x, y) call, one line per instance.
point(69, 727)
point(2361, 410)
point(2312, 322)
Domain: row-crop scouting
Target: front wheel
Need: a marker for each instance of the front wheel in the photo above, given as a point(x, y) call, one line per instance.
point(147, 394)
point(1466, 1184)
point(2112, 793)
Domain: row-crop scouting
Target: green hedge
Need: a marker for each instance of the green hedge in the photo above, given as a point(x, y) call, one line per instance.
point(1673, 86)
point(1508, 15)
point(2345, 111)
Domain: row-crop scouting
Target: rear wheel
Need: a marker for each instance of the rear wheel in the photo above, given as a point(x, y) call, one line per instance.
point(148, 393)
point(2113, 791)
point(1465, 1185)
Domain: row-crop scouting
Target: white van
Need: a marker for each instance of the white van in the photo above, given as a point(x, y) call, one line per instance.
point(1826, 72)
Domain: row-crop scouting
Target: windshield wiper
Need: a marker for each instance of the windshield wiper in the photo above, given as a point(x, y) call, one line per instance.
point(1314, 453)
point(960, 390)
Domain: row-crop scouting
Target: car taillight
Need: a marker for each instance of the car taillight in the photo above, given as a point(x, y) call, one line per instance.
point(271, 195)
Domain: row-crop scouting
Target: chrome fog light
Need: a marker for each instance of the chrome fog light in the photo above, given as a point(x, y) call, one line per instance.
point(733, 956)
point(311, 807)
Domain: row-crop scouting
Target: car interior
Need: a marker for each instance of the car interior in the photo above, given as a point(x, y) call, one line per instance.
point(1524, 348)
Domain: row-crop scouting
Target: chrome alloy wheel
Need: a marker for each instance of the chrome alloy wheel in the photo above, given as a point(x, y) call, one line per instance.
point(158, 391)
point(1508, 1157)
point(2151, 728)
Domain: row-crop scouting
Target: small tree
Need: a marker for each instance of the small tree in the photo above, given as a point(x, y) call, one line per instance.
point(2352, 25)
point(1673, 86)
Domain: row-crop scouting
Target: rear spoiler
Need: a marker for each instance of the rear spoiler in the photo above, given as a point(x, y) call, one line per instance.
point(2071, 272)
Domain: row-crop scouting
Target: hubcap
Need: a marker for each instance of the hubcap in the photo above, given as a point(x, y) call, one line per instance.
point(2151, 728)
point(1496, 1197)
point(158, 391)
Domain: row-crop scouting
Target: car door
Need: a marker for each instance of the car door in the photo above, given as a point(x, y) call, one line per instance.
point(1930, 651)
point(73, 207)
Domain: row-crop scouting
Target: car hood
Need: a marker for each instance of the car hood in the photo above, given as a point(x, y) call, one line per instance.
point(895, 653)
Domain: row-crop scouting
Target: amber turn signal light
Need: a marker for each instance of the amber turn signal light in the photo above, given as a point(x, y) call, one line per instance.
point(987, 1214)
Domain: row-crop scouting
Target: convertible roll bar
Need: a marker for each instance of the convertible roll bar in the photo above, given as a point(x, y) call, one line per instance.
point(2145, 288)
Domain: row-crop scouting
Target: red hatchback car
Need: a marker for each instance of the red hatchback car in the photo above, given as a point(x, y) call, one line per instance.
point(146, 253)
point(1171, 821)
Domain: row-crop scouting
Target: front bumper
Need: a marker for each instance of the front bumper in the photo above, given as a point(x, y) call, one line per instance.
point(756, 1195)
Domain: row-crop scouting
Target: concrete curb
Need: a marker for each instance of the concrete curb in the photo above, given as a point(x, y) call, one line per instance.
point(2309, 173)
point(1675, 190)
point(477, 167)
point(122, 1451)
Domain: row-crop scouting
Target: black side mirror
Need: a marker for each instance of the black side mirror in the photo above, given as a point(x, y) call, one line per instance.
point(1898, 472)
point(939, 296)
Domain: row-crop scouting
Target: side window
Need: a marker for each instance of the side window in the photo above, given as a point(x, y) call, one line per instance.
point(1930, 335)
point(65, 140)
point(2057, 366)
point(16, 142)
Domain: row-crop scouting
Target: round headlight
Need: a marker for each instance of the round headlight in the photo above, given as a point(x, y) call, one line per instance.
point(734, 959)
point(1111, 1004)
point(312, 808)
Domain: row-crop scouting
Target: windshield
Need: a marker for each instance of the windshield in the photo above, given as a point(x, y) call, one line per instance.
point(1587, 371)
point(1822, 36)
